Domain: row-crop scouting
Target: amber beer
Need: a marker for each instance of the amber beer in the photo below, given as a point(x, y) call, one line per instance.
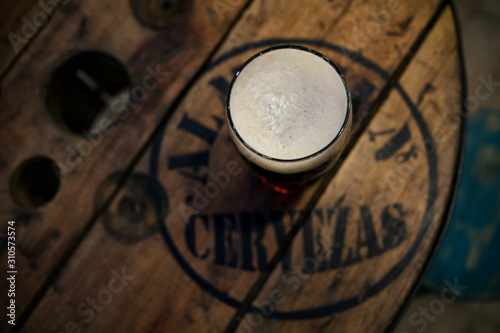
point(289, 115)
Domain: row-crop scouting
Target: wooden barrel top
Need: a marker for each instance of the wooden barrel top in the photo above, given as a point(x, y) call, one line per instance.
point(158, 225)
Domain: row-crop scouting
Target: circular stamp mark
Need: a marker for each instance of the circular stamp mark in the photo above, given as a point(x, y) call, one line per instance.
point(371, 289)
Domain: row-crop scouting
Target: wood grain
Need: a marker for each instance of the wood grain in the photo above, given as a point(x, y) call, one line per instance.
point(18, 27)
point(46, 235)
point(374, 226)
point(163, 295)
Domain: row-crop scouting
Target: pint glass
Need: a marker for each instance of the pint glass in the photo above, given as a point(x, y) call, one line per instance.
point(289, 115)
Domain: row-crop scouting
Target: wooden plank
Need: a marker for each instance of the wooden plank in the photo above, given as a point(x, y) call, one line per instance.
point(45, 235)
point(356, 259)
point(18, 27)
point(181, 286)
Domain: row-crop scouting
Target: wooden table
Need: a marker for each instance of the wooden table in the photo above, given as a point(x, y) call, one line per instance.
point(131, 232)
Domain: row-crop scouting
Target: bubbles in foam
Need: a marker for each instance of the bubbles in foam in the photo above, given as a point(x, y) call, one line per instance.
point(288, 103)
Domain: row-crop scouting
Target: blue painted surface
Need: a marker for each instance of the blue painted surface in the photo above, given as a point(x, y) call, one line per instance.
point(471, 249)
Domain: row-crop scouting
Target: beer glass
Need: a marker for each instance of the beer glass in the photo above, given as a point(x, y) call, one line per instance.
point(289, 115)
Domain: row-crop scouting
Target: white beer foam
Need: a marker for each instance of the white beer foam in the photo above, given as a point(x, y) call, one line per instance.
point(288, 104)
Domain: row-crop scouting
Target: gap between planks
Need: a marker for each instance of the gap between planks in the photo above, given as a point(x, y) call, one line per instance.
point(450, 204)
point(11, 61)
point(128, 171)
point(287, 242)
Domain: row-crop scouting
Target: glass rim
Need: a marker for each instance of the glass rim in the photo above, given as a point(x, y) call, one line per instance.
point(301, 48)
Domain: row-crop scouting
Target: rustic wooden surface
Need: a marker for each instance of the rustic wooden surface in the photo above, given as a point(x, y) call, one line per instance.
point(341, 256)
point(13, 39)
point(48, 234)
